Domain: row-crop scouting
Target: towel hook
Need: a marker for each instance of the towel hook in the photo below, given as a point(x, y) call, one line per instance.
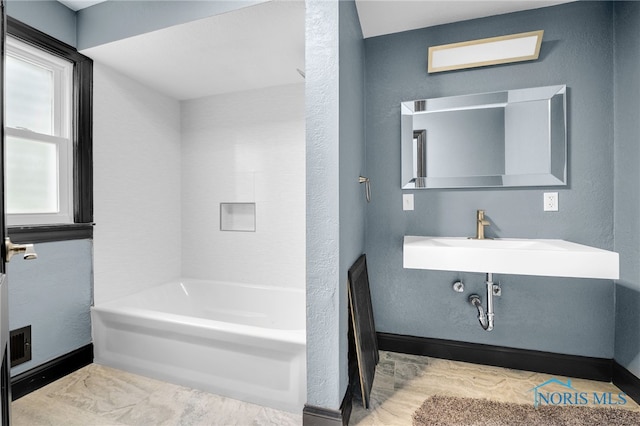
point(367, 187)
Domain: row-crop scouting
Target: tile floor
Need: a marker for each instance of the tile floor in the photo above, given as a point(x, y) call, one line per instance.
point(98, 395)
point(403, 382)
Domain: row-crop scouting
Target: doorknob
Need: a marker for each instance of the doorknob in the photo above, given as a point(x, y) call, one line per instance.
point(12, 249)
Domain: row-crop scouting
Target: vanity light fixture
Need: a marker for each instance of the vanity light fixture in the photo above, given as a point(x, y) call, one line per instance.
point(486, 51)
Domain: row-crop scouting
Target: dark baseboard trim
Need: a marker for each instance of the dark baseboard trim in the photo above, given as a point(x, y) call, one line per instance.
point(626, 381)
point(521, 359)
point(40, 376)
point(320, 416)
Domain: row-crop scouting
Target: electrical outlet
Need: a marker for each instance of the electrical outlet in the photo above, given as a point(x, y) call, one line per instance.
point(550, 201)
point(407, 201)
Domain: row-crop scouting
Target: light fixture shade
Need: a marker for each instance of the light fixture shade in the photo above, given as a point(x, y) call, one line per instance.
point(486, 51)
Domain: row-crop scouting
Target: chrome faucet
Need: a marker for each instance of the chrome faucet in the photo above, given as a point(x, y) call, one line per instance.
point(481, 222)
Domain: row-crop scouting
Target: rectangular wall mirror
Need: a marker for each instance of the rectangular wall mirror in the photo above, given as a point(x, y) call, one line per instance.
point(501, 139)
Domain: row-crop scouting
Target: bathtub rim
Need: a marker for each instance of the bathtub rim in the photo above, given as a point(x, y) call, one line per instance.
point(186, 323)
point(115, 310)
point(203, 280)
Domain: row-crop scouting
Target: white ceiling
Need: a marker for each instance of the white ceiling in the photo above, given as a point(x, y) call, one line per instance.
point(262, 45)
point(79, 4)
point(254, 47)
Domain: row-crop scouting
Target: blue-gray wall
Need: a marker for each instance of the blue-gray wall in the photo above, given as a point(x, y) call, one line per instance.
point(47, 16)
point(116, 20)
point(53, 295)
point(323, 228)
point(335, 200)
point(352, 159)
point(627, 181)
point(569, 316)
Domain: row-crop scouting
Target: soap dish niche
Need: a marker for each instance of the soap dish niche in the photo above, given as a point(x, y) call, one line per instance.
point(239, 217)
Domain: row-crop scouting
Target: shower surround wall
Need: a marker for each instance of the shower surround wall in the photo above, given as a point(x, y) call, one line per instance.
point(136, 151)
point(245, 147)
point(158, 186)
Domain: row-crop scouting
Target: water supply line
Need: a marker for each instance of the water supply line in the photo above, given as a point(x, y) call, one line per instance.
point(486, 318)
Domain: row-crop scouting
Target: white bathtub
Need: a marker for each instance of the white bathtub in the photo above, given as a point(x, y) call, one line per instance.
point(242, 341)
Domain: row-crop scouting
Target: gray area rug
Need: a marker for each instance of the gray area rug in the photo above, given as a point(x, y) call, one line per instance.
point(443, 410)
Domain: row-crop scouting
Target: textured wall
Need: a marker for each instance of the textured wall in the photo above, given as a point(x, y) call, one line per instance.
point(48, 16)
point(53, 295)
point(571, 316)
point(352, 159)
point(627, 180)
point(245, 147)
point(324, 380)
point(335, 199)
point(136, 148)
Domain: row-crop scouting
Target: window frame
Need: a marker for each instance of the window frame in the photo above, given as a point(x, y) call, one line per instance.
point(59, 136)
point(81, 137)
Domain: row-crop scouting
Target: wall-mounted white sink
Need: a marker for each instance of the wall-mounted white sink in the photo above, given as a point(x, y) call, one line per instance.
point(556, 258)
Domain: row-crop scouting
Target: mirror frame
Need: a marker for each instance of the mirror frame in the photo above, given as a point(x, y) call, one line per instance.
point(414, 141)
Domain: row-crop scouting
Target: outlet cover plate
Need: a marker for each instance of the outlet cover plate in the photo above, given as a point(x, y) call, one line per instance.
point(550, 201)
point(407, 201)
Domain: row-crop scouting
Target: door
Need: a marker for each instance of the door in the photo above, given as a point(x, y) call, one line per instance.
point(5, 378)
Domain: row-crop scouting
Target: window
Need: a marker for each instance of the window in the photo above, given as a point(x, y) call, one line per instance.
point(39, 149)
point(48, 129)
